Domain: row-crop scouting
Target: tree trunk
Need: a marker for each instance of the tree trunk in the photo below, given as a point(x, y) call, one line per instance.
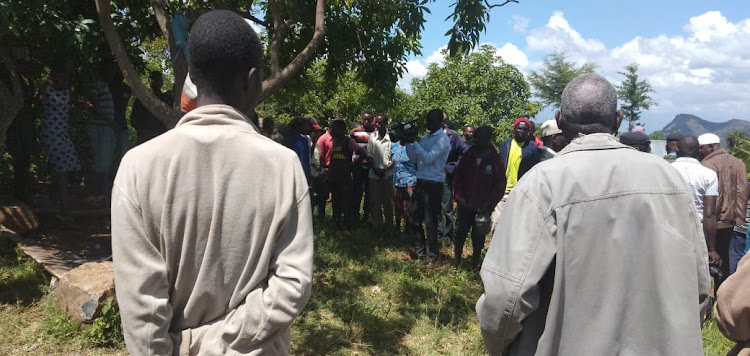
point(278, 77)
point(164, 113)
point(11, 98)
point(179, 65)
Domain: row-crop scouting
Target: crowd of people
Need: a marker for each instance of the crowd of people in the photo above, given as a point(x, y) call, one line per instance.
point(597, 248)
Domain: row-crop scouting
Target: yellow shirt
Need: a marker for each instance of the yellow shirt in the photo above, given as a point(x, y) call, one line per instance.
point(514, 164)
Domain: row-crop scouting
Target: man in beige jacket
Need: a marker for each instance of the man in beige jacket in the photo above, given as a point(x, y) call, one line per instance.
point(599, 251)
point(211, 223)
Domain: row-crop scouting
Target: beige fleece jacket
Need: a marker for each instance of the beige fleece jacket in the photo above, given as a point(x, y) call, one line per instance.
point(212, 239)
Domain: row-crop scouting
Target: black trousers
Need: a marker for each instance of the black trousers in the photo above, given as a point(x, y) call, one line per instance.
point(320, 190)
point(340, 197)
point(360, 176)
point(723, 237)
point(465, 222)
point(426, 208)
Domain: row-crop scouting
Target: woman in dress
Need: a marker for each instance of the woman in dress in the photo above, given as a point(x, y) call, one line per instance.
point(56, 141)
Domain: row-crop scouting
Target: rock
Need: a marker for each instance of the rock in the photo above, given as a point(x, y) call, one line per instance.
point(18, 218)
point(82, 292)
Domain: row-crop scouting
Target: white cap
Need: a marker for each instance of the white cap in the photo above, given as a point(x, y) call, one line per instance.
point(550, 128)
point(708, 139)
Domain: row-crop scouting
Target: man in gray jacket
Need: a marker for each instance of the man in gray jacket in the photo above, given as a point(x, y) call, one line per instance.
point(599, 251)
point(211, 222)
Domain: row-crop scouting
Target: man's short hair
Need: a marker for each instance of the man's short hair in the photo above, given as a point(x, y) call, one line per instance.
point(483, 130)
point(688, 146)
point(222, 46)
point(589, 105)
point(384, 116)
point(435, 114)
point(448, 124)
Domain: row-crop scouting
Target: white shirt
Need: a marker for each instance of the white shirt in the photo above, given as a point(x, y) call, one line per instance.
point(380, 151)
point(701, 180)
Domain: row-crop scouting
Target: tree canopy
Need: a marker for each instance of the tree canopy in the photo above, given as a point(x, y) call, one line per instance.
point(550, 82)
point(477, 88)
point(634, 95)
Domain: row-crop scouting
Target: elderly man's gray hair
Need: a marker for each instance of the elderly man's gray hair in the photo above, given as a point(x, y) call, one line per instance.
point(589, 105)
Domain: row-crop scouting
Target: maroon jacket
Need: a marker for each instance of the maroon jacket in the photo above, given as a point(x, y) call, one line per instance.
point(479, 187)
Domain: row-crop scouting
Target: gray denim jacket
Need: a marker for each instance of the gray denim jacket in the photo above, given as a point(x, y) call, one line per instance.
point(598, 252)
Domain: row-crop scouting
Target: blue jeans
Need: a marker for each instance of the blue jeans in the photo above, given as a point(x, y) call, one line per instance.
point(736, 250)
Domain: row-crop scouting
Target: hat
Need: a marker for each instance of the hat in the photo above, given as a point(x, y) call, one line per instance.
point(314, 124)
point(708, 139)
point(550, 128)
point(520, 120)
point(674, 137)
point(634, 138)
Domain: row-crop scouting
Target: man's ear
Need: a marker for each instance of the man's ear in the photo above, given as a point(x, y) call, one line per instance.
point(558, 118)
point(619, 122)
point(253, 85)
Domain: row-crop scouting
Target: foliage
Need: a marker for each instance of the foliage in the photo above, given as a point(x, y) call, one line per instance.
point(107, 328)
point(735, 137)
point(741, 150)
point(57, 326)
point(21, 279)
point(714, 343)
point(550, 82)
point(469, 21)
point(342, 97)
point(634, 95)
point(478, 88)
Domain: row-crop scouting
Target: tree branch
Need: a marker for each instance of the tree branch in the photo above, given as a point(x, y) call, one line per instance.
point(178, 62)
point(499, 5)
point(164, 113)
point(279, 28)
point(277, 79)
point(256, 20)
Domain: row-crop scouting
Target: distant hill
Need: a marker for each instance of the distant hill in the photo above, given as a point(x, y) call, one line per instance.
point(687, 124)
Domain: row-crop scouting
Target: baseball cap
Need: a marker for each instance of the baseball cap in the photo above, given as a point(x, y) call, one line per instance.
point(550, 128)
point(314, 124)
point(708, 139)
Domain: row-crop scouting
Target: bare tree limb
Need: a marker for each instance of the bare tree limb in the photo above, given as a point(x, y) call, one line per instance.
point(256, 20)
point(277, 78)
point(164, 113)
point(279, 29)
point(499, 5)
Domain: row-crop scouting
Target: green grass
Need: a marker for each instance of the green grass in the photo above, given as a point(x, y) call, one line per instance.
point(368, 297)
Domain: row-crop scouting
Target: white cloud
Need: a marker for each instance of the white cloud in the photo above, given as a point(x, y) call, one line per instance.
point(705, 71)
point(418, 68)
point(520, 23)
point(512, 55)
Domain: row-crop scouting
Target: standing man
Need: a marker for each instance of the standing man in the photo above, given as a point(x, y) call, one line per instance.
point(457, 149)
point(552, 138)
point(146, 124)
point(299, 142)
point(479, 186)
point(704, 186)
point(732, 201)
point(599, 251)
point(361, 168)
point(637, 140)
point(213, 253)
point(381, 174)
point(430, 155)
point(520, 154)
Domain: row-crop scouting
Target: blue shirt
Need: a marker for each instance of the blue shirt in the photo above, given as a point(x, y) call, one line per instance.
point(404, 172)
point(301, 145)
point(430, 156)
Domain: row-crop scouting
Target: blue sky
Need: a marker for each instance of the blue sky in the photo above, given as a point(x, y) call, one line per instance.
point(696, 54)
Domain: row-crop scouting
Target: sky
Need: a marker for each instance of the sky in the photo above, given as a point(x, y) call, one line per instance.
point(695, 54)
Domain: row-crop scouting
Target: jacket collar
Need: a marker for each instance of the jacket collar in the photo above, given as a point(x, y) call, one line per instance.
point(715, 153)
point(593, 142)
point(217, 115)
